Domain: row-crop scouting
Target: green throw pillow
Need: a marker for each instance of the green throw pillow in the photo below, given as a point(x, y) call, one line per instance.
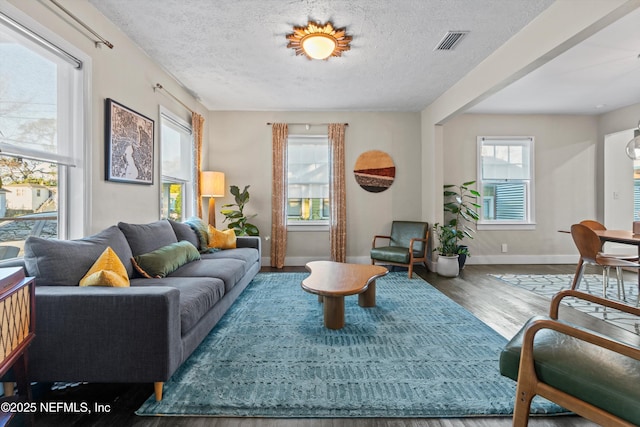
point(167, 259)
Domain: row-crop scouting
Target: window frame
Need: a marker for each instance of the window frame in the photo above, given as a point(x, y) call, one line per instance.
point(529, 222)
point(74, 178)
point(188, 186)
point(307, 225)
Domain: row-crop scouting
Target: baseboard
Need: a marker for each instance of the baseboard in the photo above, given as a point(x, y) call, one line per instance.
point(472, 260)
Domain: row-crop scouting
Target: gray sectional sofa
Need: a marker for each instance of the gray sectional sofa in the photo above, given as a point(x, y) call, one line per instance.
point(141, 333)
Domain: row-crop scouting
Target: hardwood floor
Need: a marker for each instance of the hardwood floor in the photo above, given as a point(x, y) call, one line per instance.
point(501, 306)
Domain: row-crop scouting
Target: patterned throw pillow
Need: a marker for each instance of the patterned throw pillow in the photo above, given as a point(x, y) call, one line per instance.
point(222, 239)
point(108, 270)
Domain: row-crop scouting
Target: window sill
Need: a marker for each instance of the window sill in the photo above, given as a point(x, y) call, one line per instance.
point(506, 226)
point(308, 226)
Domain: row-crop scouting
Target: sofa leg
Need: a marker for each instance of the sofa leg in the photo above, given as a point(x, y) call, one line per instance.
point(157, 388)
point(8, 389)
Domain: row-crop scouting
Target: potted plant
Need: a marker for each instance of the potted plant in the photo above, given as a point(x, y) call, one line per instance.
point(236, 217)
point(447, 250)
point(461, 210)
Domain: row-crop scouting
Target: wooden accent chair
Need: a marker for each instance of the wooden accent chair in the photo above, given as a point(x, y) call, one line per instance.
point(407, 245)
point(589, 245)
point(588, 373)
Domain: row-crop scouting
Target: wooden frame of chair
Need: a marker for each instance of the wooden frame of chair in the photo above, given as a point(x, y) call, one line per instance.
point(412, 259)
point(529, 385)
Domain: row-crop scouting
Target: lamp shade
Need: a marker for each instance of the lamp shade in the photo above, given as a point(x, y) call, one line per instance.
point(212, 184)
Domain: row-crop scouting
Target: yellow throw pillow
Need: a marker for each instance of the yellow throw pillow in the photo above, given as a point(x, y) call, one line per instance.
point(222, 239)
point(108, 270)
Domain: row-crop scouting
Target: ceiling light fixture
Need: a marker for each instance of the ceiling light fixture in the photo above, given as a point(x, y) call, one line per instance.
point(633, 146)
point(318, 41)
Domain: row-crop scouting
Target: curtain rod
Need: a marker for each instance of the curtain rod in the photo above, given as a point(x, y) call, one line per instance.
point(86, 27)
point(159, 86)
point(57, 50)
point(309, 124)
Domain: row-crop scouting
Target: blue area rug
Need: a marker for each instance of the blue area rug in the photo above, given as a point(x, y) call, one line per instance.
point(417, 354)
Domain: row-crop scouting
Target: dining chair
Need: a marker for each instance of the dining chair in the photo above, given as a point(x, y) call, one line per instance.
point(590, 246)
point(596, 225)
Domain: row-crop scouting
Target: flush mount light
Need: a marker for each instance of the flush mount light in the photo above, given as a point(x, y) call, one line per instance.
point(318, 41)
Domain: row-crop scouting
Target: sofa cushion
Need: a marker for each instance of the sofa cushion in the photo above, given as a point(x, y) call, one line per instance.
point(197, 296)
point(185, 232)
point(144, 238)
point(108, 270)
point(248, 255)
point(64, 262)
point(166, 259)
point(222, 239)
point(230, 271)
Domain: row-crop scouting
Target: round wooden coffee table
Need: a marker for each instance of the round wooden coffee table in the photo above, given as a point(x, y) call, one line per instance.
point(332, 281)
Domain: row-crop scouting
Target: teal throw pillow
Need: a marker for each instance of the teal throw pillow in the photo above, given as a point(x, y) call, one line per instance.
point(167, 259)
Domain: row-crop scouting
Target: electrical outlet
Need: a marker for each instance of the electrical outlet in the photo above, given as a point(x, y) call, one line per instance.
point(504, 248)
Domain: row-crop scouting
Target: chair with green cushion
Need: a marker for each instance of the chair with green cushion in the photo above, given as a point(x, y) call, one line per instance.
point(407, 245)
point(586, 372)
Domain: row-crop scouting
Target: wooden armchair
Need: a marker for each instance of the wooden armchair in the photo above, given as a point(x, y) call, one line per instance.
point(407, 245)
point(588, 373)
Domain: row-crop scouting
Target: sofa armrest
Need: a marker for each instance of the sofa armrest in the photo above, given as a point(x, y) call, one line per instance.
point(101, 334)
point(13, 262)
point(250, 242)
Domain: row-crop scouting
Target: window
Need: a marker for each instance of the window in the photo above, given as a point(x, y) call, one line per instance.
point(505, 178)
point(42, 178)
point(176, 145)
point(308, 180)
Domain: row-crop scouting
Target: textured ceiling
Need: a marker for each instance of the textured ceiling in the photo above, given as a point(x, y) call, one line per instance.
point(600, 74)
point(232, 54)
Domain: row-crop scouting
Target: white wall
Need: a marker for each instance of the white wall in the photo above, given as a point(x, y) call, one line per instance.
point(127, 75)
point(240, 146)
point(565, 148)
point(618, 181)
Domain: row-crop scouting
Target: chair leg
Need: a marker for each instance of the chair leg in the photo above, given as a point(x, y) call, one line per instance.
point(578, 275)
point(410, 271)
point(605, 281)
point(522, 405)
point(620, 277)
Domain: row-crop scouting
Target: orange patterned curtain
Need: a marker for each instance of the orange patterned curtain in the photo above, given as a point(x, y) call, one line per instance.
point(279, 195)
point(197, 124)
point(337, 194)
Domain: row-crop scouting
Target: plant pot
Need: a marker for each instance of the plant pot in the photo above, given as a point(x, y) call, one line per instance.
point(447, 265)
point(462, 258)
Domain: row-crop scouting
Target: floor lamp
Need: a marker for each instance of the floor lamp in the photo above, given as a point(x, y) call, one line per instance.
point(212, 187)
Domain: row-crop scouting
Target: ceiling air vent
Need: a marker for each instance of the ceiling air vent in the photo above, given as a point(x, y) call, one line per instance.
point(450, 40)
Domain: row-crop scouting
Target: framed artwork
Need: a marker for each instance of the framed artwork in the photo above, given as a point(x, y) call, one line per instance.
point(128, 145)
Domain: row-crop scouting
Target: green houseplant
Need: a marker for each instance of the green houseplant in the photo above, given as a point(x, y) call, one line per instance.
point(461, 210)
point(238, 221)
point(447, 241)
point(447, 249)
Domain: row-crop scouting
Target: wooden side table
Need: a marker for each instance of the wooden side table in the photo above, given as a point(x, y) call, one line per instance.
point(17, 326)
